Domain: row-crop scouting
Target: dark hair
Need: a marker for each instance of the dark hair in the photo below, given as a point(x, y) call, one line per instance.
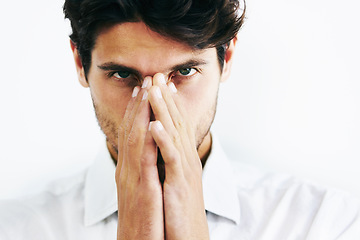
point(198, 23)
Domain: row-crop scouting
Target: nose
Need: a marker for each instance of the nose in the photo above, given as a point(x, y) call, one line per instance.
point(167, 75)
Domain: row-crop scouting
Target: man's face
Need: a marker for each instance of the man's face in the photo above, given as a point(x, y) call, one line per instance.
point(126, 53)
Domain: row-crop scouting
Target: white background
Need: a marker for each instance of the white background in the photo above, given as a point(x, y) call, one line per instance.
point(292, 103)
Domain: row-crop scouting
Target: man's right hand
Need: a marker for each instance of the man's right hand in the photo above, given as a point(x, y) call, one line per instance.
point(140, 201)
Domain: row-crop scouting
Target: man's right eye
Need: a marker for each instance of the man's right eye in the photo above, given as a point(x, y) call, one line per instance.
point(121, 74)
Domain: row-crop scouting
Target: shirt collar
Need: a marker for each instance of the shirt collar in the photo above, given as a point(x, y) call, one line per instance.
point(220, 192)
point(100, 188)
point(219, 189)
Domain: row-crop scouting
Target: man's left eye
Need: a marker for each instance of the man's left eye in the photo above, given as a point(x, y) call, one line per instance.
point(186, 72)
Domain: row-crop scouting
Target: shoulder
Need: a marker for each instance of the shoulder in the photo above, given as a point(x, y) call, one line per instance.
point(35, 215)
point(249, 178)
point(273, 199)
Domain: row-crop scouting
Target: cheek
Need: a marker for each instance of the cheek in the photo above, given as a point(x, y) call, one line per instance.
point(198, 98)
point(111, 100)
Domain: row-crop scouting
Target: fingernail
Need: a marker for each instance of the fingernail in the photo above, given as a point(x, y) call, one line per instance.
point(158, 126)
point(162, 79)
point(158, 92)
point(172, 87)
point(135, 92)
point(150, 126)
point(145, 95)
point(145, 83)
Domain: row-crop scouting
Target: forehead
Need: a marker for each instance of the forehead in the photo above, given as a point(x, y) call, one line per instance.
point(136, 45)
point(133, 34)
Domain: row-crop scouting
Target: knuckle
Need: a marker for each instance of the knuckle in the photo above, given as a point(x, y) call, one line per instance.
point(173, 158)
point(145, 160)
point(117, 175)
point(117, 178)
point(176, 139)
point(122, 182)
point(121, 129)
point(132, 140)
point(179, 124)
point(135, 136)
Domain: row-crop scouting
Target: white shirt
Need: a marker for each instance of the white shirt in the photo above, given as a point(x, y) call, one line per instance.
point(241, 203)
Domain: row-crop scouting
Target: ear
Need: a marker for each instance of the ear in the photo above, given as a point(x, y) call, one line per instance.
point(79, 67)
point(228, 59)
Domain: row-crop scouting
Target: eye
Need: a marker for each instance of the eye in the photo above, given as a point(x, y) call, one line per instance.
point(186, 72)
point(121, 74)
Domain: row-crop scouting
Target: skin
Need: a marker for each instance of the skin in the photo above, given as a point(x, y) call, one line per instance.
point(149, 93)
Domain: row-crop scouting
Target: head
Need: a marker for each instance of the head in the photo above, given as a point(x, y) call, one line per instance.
point(113, 40)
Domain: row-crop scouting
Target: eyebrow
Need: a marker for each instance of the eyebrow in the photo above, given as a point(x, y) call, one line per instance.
point(112, 66)
point(188, 64)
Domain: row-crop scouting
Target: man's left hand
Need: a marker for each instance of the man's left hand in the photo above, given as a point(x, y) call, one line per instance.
point(184, 210)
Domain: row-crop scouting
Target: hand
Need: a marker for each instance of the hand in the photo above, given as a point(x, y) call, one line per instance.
point(140, 199)
point(184, 209)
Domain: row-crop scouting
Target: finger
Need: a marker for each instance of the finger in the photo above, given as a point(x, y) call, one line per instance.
point(136, 138)
point(123, 133)
point(121, 130)
point(170, 154)
point(147, 83)
point(168, 94)
point(122, 166)
point(162, 114)
point(190, 130)
point(148, 163)
point(161, 111)
point(183, 131)
point(130, 114)
point(125, 127)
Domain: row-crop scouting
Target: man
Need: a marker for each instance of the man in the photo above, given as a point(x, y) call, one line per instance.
point(153, 69)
